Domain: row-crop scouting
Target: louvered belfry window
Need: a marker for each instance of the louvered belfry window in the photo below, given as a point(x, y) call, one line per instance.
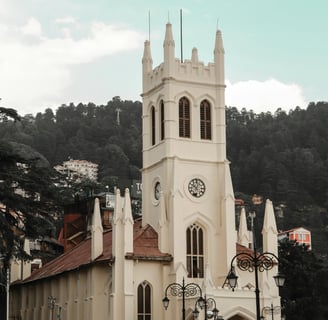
point(184, 118)
point(205, 120)
point(153, 126)
point(162, 120)
point(195, 251)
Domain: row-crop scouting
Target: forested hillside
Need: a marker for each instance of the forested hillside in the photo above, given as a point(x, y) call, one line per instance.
point(281, 156)
point(87, 132)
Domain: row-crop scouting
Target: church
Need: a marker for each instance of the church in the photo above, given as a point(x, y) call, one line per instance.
point(181, 250)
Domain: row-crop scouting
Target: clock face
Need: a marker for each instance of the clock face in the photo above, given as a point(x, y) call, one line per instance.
point(196, 187)
point(157, 190)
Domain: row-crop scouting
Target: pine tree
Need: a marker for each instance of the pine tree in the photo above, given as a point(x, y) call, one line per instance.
point(28, 195)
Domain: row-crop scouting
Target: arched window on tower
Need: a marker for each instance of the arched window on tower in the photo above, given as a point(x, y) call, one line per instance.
point(153, 126)
point(144, 301)
point(162, 120)
point(195, 251)
point(184, 118)
point(205, 120)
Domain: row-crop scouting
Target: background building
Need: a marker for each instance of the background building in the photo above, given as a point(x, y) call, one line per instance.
point(301, 235)
point(77, 170)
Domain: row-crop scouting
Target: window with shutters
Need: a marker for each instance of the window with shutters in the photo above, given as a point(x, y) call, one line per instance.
point(153, 126)
point(162, 120)
point(184, 118)
point(195, 251)
point(144, 301)
point(205, 120)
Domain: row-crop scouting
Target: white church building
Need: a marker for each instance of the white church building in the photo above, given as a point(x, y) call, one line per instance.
point(187, 232)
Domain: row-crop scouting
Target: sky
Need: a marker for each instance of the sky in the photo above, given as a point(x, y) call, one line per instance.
point(63, 51)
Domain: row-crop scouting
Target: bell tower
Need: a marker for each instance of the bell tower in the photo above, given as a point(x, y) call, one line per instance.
point(187, 190)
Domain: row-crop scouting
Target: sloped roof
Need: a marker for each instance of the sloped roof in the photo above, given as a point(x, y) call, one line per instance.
point(243, 249)
point(145, 247)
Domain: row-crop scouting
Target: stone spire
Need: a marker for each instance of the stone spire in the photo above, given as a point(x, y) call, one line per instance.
point(96, 232)
point(128, 223)
point(219, 57)
point(243, 234)
point(194, 56)
point(117, 296)
point(169, 46)
point(147, 61)
point(269, 231)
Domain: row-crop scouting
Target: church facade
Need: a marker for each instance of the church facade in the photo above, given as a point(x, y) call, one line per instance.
point(187, 232)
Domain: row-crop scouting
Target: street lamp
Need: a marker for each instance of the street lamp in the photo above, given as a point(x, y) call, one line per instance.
point(273, 310)
point(184, 291)
point(207, 304)
point(5, 277)
point(254, 262)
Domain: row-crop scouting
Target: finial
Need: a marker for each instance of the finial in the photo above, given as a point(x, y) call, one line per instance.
point(168, 16)
point(149, 25)
point(217, 24)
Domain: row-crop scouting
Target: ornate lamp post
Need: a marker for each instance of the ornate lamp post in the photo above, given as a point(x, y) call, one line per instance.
point(273, 310)
point(184, 291)
point(210, 309)
point(254, 262)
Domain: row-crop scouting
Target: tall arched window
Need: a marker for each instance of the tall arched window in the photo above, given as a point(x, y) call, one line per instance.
point(162, 120)
point(205, 120)
point(195, 251)
point(184, 118)
point(153, 126)
point(144, 301)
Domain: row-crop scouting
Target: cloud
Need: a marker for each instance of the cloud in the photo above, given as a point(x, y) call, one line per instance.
point(35, 73)
point(32, 28)
point(66, 20)
point(264, 96)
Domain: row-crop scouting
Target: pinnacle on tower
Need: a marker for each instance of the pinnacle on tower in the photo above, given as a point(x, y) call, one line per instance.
point(168, 46)
point(219, 58)
point(147, 61)
point(218, 49)
point(194, 56)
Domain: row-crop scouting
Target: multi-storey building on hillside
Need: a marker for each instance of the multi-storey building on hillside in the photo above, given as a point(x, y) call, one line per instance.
point(78, 169)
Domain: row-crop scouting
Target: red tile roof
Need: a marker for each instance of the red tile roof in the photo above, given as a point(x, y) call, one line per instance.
point(243, 249)
point(145, 247)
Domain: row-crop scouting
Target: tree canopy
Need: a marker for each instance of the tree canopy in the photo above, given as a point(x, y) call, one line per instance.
point(304, 295)
point(27, 197)
point(87, 132)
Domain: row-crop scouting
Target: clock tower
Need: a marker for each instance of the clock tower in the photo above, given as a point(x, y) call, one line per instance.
point(187, 190)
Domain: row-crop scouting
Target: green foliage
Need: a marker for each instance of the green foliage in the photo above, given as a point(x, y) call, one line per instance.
point(304, 295)
point(282, 157)
point(87, 132)
point(27, 198)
